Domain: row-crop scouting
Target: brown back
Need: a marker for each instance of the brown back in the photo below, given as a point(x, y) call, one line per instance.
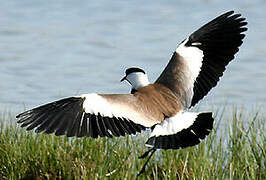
point(151, 103)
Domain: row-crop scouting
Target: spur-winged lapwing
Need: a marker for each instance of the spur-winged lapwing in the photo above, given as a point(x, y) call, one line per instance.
point(194, 68)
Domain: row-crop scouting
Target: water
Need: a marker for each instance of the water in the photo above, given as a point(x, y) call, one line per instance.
point(53, 49)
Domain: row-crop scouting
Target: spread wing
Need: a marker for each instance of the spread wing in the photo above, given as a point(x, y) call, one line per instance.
point(200, 60)
point(90, 115)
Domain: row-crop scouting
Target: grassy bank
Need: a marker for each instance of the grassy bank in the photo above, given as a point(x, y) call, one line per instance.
point(236, 151)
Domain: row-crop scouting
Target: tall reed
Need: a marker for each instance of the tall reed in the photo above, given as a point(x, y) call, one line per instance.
point(234, 150)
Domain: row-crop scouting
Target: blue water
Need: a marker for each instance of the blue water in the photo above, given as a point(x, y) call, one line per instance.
point(53, 49)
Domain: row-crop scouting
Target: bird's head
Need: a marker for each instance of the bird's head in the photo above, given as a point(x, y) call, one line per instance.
point(136, 77)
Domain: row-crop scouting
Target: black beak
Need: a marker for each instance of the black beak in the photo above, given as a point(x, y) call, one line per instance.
point(124, 78)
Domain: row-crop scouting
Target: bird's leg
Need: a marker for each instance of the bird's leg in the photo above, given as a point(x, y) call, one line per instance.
point(146, 153)
point(152, 150)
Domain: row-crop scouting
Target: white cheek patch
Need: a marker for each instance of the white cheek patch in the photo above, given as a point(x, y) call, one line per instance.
point(175, 124)
point(138, 80)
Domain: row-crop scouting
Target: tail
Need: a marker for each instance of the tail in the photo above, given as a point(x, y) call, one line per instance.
point(183, 130)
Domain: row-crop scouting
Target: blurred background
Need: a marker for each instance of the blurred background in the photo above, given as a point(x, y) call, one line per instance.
point(53, 49)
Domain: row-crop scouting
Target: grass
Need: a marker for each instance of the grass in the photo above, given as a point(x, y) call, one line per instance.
point(236, 151)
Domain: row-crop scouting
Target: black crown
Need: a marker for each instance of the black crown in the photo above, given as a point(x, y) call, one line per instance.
point(134, 69)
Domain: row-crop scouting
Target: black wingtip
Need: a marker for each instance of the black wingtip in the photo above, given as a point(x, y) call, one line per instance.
point(20, 115)
point(219, 40)
point(230, 12)
point(42, 116)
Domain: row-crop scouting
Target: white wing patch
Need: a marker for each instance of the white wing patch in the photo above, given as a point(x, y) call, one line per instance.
point(96, 104)
point(193, 57)
point(174, 124)
point(196, 44)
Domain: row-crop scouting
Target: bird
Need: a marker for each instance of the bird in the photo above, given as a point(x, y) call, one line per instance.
point(163, 106)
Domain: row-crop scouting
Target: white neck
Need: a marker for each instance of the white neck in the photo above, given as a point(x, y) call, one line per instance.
point(138, 80)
